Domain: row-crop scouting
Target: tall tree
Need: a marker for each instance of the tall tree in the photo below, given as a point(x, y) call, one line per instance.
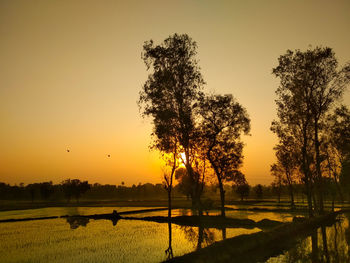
point(310, 85)
point(243, 190)
point(223, 120)
point(170, 93)
point(327, 85)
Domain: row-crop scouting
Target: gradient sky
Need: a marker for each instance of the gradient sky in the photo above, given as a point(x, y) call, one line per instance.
point(71, 71)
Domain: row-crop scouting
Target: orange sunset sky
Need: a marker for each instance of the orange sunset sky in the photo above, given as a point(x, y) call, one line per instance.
point(71, 72)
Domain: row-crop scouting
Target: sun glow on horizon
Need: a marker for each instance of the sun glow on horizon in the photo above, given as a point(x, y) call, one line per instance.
point(60, 90)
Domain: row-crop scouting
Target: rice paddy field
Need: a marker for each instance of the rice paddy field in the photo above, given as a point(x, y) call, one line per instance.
point(60, 211)
point(57, 240)
point(54, 240)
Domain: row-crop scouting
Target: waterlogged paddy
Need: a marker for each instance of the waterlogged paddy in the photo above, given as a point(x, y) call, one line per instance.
point(61, 211)
point(99, 241)
point(331, 245)
point(57, 240)
point(240, 214)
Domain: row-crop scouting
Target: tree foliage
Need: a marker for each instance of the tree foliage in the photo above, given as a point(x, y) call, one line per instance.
point(74, 188)
point(310, 86)
point(223, 120)
point(170, 94)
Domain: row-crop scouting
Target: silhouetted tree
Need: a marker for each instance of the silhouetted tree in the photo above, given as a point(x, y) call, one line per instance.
point(32, 188)
point(310, 85)
point(170, 93)
point(258, 191)
point(223, 120)
point(67, 188)
point(243, 190)
point(326, 87)
point(74, 188)
point(277, 173)
point(294, 121)
point(46, 190)
point(184, 181)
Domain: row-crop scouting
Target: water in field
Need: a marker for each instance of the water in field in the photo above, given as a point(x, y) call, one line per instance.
point(327, 244)
point(87, 240)
point(61, 211)
point(84, 240)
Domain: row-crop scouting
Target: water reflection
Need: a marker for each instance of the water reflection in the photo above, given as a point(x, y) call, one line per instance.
point(326, 244)
point(169, 251)
point(198, 236)
point(75, 222)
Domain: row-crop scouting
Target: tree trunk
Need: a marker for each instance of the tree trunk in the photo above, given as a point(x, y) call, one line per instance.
point(318, 169)
point(340, 192)
point(305, 168)
point(222, 197)
point(221, 187)
point(292, 204)
point(309, 198)
point(290, 186)
point(189, 170)
point(169, 202)
point(279, 193)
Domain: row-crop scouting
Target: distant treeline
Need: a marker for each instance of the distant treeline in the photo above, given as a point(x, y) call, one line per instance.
point(73, 190)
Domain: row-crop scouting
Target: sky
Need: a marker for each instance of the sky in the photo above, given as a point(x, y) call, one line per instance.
point(71, 73)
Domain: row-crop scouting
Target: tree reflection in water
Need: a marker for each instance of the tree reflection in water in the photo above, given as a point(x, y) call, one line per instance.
point(198, 238)
point(169, 251)
point(327, 244)
point(75, 221)
point(223, 233)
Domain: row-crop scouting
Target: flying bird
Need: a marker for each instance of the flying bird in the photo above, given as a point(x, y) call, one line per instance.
point(108, 155)
point(68, 150)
